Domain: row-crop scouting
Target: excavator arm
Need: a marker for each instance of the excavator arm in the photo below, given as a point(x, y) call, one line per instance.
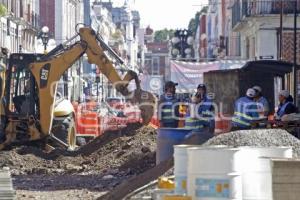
point(48, 72)
point(95, 53)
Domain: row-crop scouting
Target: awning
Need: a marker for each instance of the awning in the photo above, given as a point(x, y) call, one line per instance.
point(269, 66)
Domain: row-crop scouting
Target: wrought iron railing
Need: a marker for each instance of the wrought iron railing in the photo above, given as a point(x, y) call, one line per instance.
point(266, 7)
point(252, 8)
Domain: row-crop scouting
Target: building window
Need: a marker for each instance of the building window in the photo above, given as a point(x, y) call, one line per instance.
point(155, 66)
point(13, 39)
point(148, 65)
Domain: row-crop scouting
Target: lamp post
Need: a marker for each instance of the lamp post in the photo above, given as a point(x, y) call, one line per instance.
point(182, 44)
point(45, 37)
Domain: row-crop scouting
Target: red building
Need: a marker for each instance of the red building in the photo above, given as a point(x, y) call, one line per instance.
point(47, 14)
point(156, 58)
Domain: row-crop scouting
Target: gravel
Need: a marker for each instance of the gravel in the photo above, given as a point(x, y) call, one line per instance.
point(258, 138)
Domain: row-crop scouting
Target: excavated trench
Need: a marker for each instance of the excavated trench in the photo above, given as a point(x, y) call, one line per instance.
point(97, 167)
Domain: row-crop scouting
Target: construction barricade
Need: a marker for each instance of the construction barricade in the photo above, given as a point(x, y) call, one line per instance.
point(88, 124)
point(222, 123)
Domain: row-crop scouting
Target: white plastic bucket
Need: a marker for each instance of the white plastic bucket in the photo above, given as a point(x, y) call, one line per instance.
point(275, 152)
point(215, 173)
point(257, 174)
point(180, 167)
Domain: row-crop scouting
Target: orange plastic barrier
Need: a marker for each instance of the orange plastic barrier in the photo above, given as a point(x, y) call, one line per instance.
point(222, 123)
point(88, 124)
point(154, 123)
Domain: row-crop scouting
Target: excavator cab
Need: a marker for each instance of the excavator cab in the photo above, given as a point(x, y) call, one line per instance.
point(22, 107)
point(21, 92)
point(19, 103)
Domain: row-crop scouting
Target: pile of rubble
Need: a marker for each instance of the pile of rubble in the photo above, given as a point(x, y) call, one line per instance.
point(258, 138)
point(99, 166)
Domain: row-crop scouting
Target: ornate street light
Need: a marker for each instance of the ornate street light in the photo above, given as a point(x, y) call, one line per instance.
point(182, 44)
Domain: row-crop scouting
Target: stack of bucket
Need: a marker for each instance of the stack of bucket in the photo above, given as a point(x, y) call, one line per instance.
point(219, 172)
point(6, 188)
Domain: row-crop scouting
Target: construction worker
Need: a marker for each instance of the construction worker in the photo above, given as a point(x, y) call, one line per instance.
point(245, 111)
point(286, 105)
point(199, 118)
point(168, 106)
point(193, 121)
point(262, 102)
point(206, 109)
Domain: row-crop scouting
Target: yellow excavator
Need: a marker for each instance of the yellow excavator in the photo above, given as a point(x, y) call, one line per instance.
point(31, 109)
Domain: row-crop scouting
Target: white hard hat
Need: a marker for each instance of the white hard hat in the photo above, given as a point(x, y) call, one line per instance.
point(250, 93)
point(284, 93)
point(257, 88)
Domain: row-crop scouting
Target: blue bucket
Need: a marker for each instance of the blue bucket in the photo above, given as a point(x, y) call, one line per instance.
point(166, 139)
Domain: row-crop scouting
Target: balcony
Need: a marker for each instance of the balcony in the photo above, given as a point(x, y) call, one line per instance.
point(243, 9)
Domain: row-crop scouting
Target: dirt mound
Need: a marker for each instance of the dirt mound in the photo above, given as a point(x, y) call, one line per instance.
point(128, 152)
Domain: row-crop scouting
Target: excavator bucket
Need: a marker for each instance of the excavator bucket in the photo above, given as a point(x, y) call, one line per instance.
point(146, 102)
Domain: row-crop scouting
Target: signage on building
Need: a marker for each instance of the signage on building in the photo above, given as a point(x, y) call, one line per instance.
point(266, 57)
point(152, 83)
point(155, 83)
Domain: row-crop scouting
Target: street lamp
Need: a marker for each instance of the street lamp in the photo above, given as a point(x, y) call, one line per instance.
point(182, 44)
point(45, 37)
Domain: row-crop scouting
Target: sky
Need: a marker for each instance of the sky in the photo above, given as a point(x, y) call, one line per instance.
point(161, 14)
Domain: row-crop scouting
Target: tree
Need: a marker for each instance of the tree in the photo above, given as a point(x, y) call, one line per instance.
point(3, 10)
point(194, 22)
point(163, 35)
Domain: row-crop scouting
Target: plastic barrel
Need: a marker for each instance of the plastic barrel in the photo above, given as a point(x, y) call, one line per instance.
point(180, 167)
point(257, 175)
point(166, 139)
point(215, 173)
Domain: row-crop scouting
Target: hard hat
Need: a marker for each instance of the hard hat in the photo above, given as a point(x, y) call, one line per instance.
point(257, 88)
point(250, 93)
point(169, 84)
point(284, 93)
point(203, 86)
